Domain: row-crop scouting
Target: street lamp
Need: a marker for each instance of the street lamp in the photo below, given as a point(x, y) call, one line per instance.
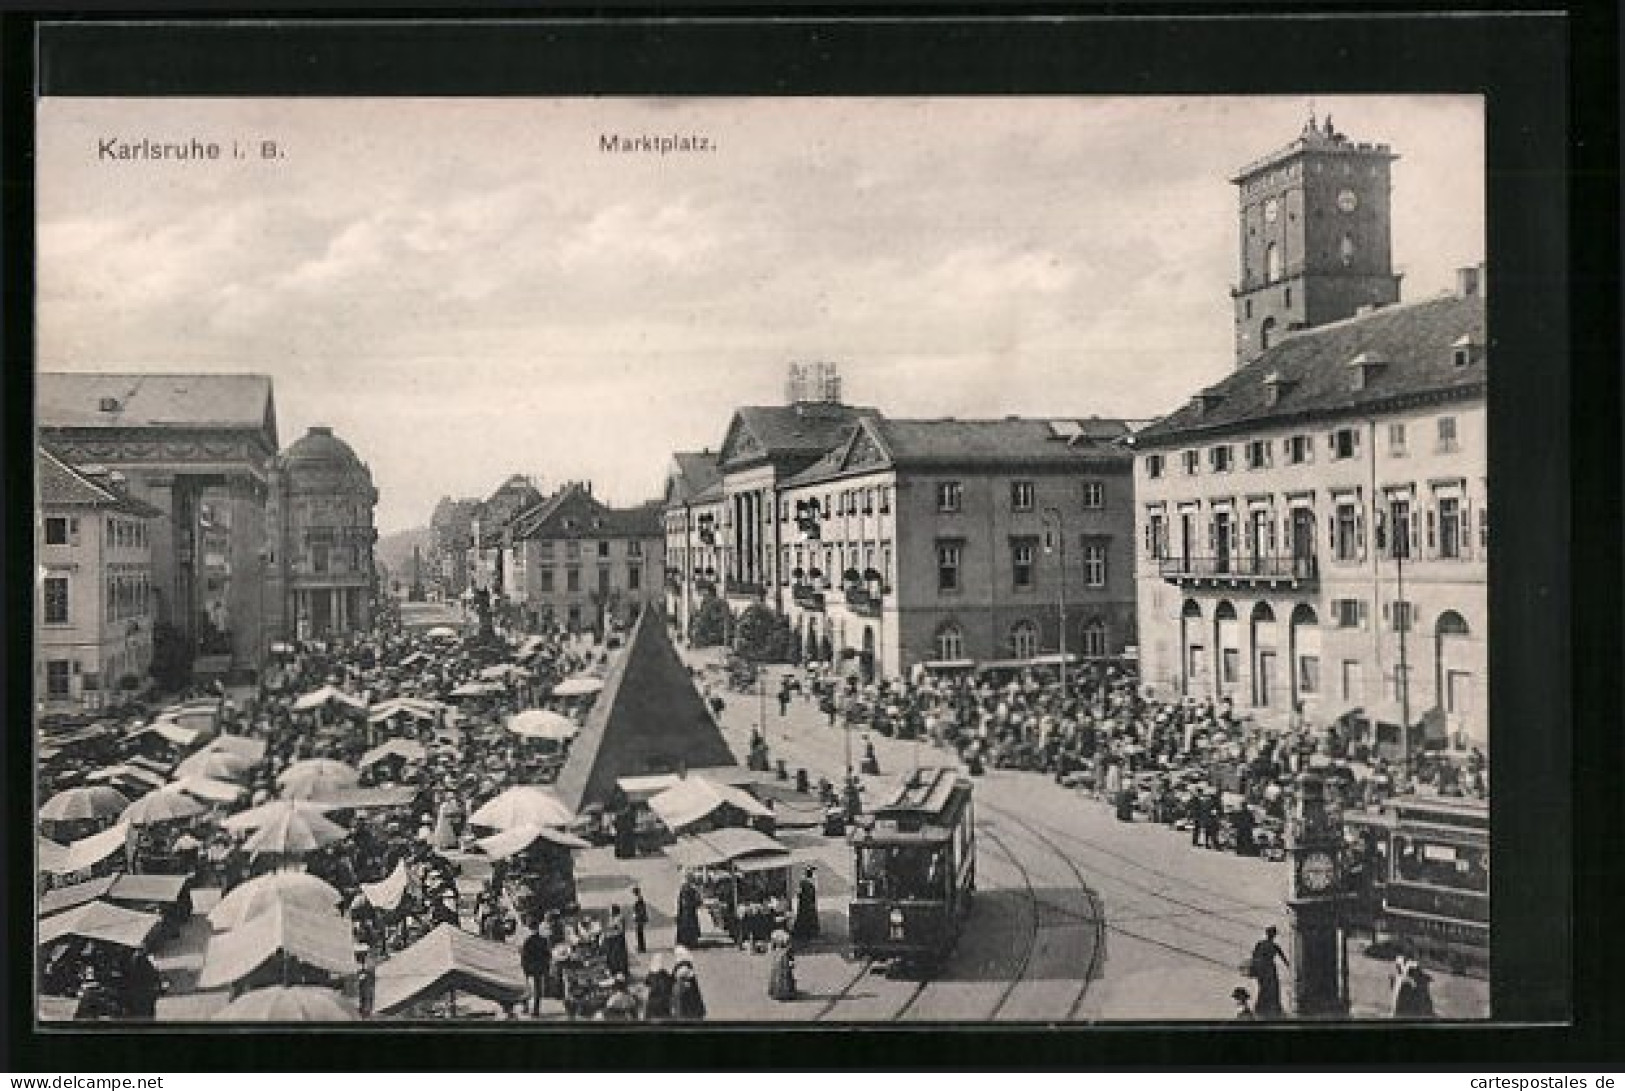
point(1050, 546)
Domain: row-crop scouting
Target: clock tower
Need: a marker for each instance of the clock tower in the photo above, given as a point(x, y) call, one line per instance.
point(1315, 237)
point(1315, 897)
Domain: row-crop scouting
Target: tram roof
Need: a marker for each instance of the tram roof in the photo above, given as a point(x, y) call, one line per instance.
point(928, 792)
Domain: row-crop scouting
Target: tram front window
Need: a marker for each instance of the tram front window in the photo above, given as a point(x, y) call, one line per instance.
point(902, 872)
point(1457, 867)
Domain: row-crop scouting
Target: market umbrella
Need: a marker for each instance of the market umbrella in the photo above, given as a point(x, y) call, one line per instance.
point(319, 784)
point(87, 852)
point(264, 893)
point(208, 789)
point(102, 922)
point(214, 764)
point(288, 932)
point(695, 798)
point(540, 723)
point(441, 632)
point(405, 749)
point(328, 768)
point(476, 689)
point(449, 960)
point(521, 838)
point(166, 806)
point(49, 853)
point(253, 750)
point(579, 686)
point(502, 671)
point(294, 834)
point(524, 805)
point(266, 813)
point(328, 695)
point(84, 803)
point(288, 1004)
point(134, 779)
point(386, 893)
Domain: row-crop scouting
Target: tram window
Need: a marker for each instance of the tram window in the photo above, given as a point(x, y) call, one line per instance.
point(1455, 867)
point(902, 872)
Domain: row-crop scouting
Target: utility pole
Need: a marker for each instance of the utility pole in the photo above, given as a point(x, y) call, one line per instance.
point(1060, 586)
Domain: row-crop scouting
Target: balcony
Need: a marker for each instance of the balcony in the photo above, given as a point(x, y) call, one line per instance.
point(1296, 573)
point(807, 597)
point(863, 602)
point(741, 589)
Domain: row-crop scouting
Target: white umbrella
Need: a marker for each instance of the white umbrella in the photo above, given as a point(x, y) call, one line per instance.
point(406, 749)
point(166, 806)
point(441, 632)
point(278, 888)
point(330, 768)
point(525, 805)
point(206, 789)
point(295, 834)
point(579, 686)
point(476, 689)
point(266, 813)
point(214, 764)
point(80, 804)
point(288, 1004)
point(539, 723)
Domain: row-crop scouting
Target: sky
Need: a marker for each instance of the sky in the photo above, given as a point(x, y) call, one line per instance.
point(467, 289)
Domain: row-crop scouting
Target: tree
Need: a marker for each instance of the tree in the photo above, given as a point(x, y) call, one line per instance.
point(709, 625)
point(758, 637)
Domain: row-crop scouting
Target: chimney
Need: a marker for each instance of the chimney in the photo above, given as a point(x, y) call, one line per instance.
point(1467, 281)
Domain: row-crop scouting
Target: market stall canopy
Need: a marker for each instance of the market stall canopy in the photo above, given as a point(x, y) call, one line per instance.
point(129, 777)
point(294, 834)
point(405, 749)
point(648, 719)
point(386, 893)
point(214, 764)
point(319, 940)
point(101, 922)
point(541, 723)
point(414, 707)
point(64, 898)
point(262, 894)
point(522, 838)
point(579, 686)
point(162, 807)
point(441, 632)
point(449, 959)
point(477, 689)
point(208, 789)
point(266, 813)
point(169, 732)
point(250, 749)
point(319, 767)
point(49, 853)
point(719, 848)
point(133, 890)
point(366, 799)
point(642, 789)
point(329, 695)
point(87, 852)
point(87, 802)
point(523, 805)
point(503, 671)
point(200, 716)
point(696, 799)
point(288, 1004)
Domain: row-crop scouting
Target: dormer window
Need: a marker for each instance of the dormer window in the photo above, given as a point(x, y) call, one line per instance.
point(1206, 401)
point(1464, 352)
point(1362, 369)
point(110, 405)
point(1275, 386)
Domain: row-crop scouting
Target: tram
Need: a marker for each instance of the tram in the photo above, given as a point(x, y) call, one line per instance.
point(915, 869)
point(1419, 873)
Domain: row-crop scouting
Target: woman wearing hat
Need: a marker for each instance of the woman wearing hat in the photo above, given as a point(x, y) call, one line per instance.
point(657, 991)
point(687, 1002)
point(781, 974)
point(806, 922)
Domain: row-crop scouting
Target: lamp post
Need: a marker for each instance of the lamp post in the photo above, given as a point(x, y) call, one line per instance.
point(1060, 584)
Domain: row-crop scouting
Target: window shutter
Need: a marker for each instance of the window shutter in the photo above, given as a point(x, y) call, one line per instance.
point(1211, 540)
point(1331, 530)
point(1359, 531)
point(1364, 611)
point(1433, 532)
point(1465, 535)
point(1353, 432)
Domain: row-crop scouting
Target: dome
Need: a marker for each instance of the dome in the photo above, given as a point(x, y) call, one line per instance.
point(320, 456)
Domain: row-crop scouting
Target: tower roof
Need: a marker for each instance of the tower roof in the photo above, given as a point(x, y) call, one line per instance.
point(1321, 139)
point(320, 457)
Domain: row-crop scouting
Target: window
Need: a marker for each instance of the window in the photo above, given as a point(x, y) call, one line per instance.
point(1094, 564)
point(572, 579)
point(603, 549)
point(634, 578)
point(1399, 529)
point(885, 500)
point(1308, 674)
point(1396, 438)
point(544, 549)
point(57, 672)
point(950, 642)
point(1219, 458)
point(1345, 542)
point(1349, 613)
point(1021, 496)
point(1402, 615)
point(572, 550)
point(1272, 263)
point(1258, 454)
point(318, 558)
point(1094, 639)
point(1345, 443)
point(868, 501)
point(1247, 308)
point(634, 548)
point(1402, 682)
point(547, 581)
point(1021, 562)
point(1450, 535)
point(56, 530)
point(1193, 462)
point(1229, 666)
point(56, 600)
point(948, 559)
point(1094, 494)
point(1447, 434)
point(1156, 536)
point(949, 496)
point(1024, 640)
point(1299, 450)
point(1483, 527)
point(1286, 295)
point(603, 581)
point(1353, 680)
point(1153, 466)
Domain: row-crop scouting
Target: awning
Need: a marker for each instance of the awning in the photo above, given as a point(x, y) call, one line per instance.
point(641, 789)
point(694, 799)
point(326, 695)
point(250, 749)
point(405, 749)
point(449, 959)
point(315, 939)
point(169, 732)
point(149, 889)
point(86, 853)
point(366, 799)
point(100, 922)
point(521, 838)
point(64, 898)
point(49, 853)
point(387, 892)
point(721, 847)
point(210, 790)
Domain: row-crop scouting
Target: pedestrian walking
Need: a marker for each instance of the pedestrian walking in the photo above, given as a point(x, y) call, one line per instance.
point(1261, 967)
point(806, 921)
point(781, 974)
point(640, 919)
point(613, 943)
point(688, 916)
point(535, 959)
point(1413, 994)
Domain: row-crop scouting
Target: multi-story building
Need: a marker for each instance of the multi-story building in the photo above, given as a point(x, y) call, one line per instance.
point(1314, 529)
point(95, 602)
point(573, 560)
point(321, 575)
point(452, 527)
point(487, 530)
point(197, 448)
point(693, 521)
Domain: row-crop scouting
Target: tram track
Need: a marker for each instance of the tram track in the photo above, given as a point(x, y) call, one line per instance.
point(1032, 936)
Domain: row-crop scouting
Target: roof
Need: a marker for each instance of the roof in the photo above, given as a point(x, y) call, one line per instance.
point(1313, 140)
point(75, 400)
point(882, 442)
point(320, 459)
point(573, 512)
point(63, 486)
point(693, 472)
point(797, 433)
point(928, 792)
point(716, 848)
point(321, 940)
point(1413, 346)
point(102, 922)
point(648, 718)
point(694, 799)
point(446, 959)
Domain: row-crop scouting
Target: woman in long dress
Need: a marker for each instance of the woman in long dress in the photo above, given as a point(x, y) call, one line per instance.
point(781, 975)
point(688, 916)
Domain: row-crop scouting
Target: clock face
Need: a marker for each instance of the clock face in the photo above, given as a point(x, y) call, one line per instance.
point(1347, 201)
point(1317, 872)
point(1272, 210)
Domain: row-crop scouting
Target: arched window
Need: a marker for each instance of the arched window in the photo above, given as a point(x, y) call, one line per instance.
point(1024, 640)
point(1094, 639)
point(1451, 624)
point(950, 642)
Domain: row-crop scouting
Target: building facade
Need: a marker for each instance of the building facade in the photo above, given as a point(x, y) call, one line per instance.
point(1314, 529)
point(451, 527)
point(94, 602)
point(321, 576)
point(486, 552)
point(692, 516)
point(198, 449)
point(573, 561)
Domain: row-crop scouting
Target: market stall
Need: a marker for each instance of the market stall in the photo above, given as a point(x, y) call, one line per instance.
point(428, 977)
point(541, 860)
point(743, 878)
